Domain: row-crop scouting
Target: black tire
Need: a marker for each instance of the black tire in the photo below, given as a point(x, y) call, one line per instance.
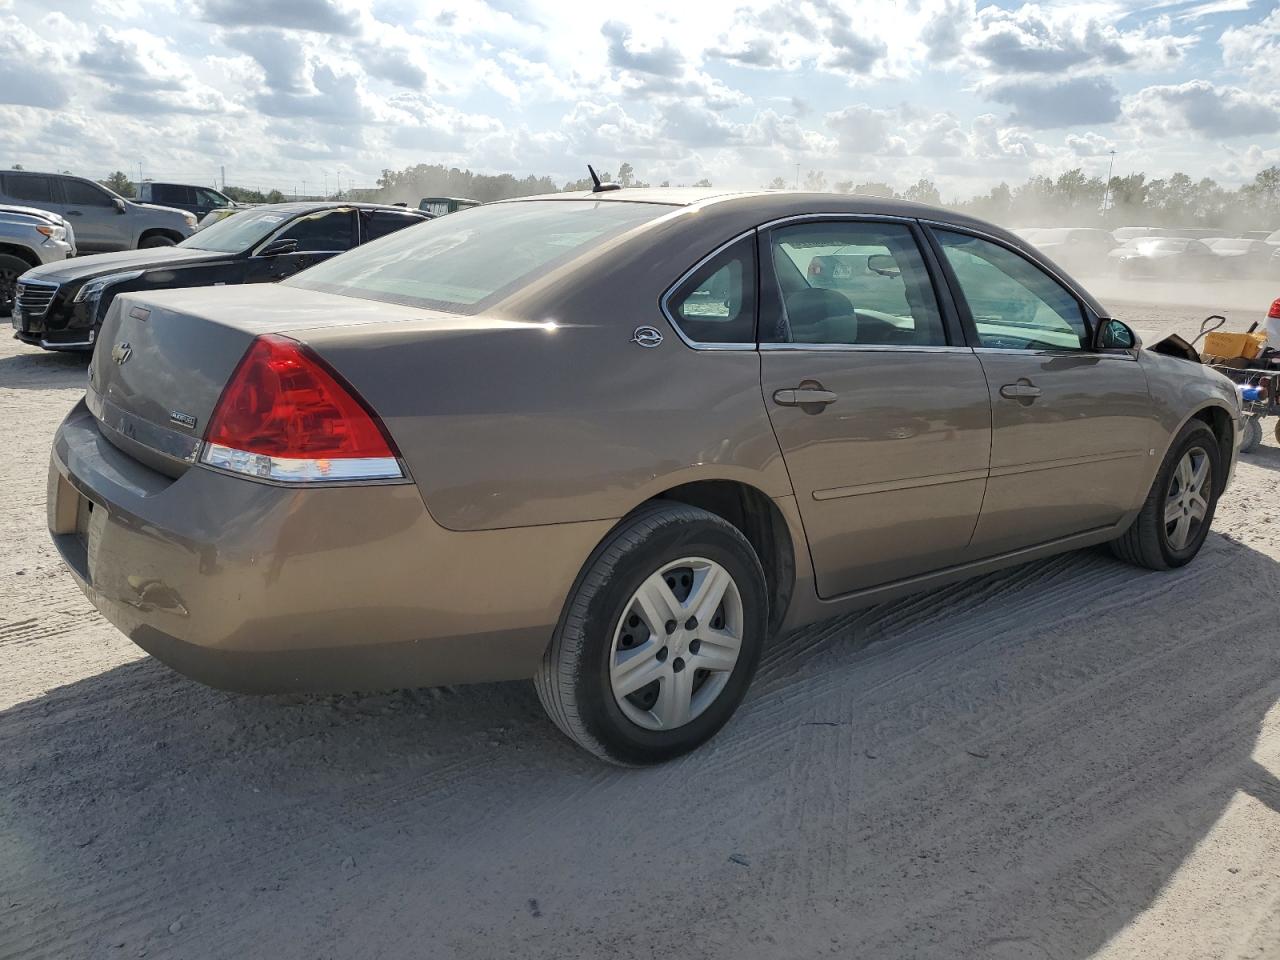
point(11, 268)
point(1251, 435)
point(573, 681)
point(158, 240)
point(1146, 543)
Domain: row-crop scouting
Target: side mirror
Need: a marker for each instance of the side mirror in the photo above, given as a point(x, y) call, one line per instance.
point(1114, 335)
point(279, 246)
point(119, 205)
point(884, 265)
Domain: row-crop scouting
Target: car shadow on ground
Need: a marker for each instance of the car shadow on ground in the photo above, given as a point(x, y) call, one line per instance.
point(1265, 456)
point(36, 369)
point(1010, 767)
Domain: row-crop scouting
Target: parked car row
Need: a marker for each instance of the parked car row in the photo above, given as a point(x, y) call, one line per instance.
point(104, 220)
point(1194, 254)
point(60, 306)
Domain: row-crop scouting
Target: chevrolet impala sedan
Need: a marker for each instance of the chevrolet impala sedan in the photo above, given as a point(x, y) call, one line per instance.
point(613, 442)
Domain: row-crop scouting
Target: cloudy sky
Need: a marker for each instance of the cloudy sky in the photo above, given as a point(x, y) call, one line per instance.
point(287, 91)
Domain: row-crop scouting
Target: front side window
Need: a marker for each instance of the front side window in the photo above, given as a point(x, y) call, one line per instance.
point(322, 232)
point(717, 303)
point(852, 283)
point(81, 194)
point(1015, 305)
point(35, 189)
point(211, 198)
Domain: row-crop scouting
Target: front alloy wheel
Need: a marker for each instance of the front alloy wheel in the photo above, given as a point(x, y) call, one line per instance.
point(1188, 501)
point(1174, 519)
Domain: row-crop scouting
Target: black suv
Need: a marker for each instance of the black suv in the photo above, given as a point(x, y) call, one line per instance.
point(60, 306)
point(184, 196)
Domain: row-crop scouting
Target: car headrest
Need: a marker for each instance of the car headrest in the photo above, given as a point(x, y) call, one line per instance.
point(818, 315)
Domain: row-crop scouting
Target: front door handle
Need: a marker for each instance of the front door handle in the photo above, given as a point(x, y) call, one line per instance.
point(802, 396)
point(1024, 391)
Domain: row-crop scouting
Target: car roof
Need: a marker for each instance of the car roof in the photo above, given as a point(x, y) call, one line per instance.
point(780, 202)
point(310, 206)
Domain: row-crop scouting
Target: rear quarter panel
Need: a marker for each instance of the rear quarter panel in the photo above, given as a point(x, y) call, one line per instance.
point(522, 423)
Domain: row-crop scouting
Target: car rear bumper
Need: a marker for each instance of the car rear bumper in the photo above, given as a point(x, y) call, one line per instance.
point(264, 588)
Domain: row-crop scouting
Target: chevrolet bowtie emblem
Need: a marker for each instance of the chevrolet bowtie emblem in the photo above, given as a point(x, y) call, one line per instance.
point(121, 353)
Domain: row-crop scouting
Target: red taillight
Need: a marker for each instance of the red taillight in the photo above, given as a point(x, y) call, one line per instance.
point(284, 415)
point(1274, 312)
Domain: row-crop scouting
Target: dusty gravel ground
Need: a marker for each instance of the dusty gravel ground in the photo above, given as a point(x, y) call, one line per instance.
point(1071, 759)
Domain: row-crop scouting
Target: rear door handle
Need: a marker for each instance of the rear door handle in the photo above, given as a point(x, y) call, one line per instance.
point(1023, 391)
point(801, 396)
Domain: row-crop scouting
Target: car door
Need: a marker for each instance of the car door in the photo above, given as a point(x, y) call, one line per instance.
point(880, 410)
point(318, 236)
point(98, 222)
point(1072, 427)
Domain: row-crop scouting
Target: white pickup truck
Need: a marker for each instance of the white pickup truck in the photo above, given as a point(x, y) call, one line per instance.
point(29, 238)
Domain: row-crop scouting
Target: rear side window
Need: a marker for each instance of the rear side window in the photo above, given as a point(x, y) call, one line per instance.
point(717, 302)
point(853, 283)
point(80, 194)
point(472, 258)
point(379, 223)
point(36, 189)
point(323, 232)
point(170, 193)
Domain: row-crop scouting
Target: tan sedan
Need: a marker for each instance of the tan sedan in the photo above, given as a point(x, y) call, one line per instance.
point(613, 442)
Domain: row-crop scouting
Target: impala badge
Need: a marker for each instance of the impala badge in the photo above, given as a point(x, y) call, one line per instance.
point(182, 419)
point(121, 353)
point(646, 336)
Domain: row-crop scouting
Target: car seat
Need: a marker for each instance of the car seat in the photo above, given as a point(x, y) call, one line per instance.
point(818, 315)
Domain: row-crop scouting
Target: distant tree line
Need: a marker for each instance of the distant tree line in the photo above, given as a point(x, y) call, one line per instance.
point(1070, 199)
point(1074, 200)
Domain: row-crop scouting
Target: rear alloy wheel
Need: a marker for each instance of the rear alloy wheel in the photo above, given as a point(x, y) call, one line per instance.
point(11, 268)
point(660, 637)
point(1175, 518)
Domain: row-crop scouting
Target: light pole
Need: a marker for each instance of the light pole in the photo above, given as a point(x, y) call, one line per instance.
point(1106, 197)
point(797, 176)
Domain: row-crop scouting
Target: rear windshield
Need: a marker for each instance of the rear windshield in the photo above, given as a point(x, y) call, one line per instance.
point(467, 260)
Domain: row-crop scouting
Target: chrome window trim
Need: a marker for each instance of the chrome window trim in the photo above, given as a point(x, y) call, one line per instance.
point(865, 217)
point(1131, 356)
point(664, 302)
point(870, 347)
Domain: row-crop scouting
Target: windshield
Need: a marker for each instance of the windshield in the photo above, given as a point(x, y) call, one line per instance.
point(469, 259)
point(240, 231)
point(1229, 244)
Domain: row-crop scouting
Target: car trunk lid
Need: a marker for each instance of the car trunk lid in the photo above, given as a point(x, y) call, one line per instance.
point(164, 358)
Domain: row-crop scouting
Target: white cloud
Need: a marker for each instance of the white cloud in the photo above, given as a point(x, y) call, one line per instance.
point(1203, 108)
point(736, 90)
